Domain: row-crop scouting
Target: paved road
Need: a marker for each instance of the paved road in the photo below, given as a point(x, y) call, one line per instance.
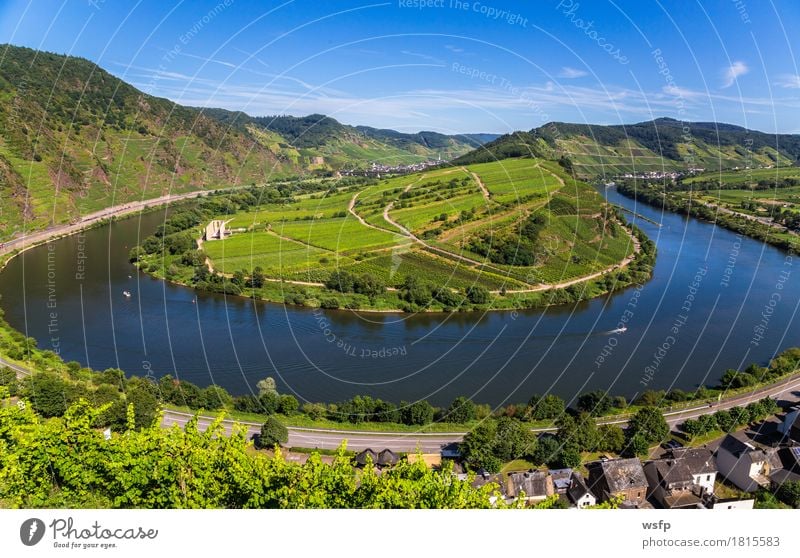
point(38, 237)
point(763, 220)
point(787, 390)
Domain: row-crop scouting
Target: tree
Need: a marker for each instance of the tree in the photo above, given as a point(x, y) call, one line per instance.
point(610, 438)
point(789, 493)
point(548, 451)
point(419, 412)
point(267, 385)
point(8, 378)
point(512, 440)
point(47, 393)
point(645, 428)
point(461, 410)
point(288, 405)
point(257, 279)
point(215, 397)
point(596, 402)
point(477, 448)
point(547, 407)
point(142, 394)
point(273, 433)
point(477, 294)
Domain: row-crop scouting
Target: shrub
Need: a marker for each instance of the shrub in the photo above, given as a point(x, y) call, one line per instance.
point(272, 434)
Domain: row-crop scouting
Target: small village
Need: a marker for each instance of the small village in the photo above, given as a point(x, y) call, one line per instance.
point(723, 474)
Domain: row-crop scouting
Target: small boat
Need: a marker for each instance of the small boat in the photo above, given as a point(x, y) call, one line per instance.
point(127, 294)
point(622, 329)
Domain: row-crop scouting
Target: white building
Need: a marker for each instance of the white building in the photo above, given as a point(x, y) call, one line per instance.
point(743, 464)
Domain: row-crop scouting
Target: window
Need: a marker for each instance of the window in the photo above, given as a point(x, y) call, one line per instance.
point(708, 477)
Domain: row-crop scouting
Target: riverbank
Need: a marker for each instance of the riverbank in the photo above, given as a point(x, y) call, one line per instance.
point(681, 202)
point(195, 270)
point(16, 246)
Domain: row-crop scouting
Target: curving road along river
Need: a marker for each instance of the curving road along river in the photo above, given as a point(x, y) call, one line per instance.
point(787, 391)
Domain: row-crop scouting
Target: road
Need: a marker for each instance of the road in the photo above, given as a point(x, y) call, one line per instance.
point(39, 237)
point(787, 390)
point(763, 220)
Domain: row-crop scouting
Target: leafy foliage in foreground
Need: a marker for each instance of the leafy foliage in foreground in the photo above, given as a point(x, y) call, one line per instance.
point(65, 462)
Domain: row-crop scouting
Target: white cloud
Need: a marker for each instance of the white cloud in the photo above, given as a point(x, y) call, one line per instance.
point(571, 73)
point(788, 81)
point(732, 73)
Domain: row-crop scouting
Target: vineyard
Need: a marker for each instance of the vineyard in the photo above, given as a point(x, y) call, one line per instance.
point(449, 229)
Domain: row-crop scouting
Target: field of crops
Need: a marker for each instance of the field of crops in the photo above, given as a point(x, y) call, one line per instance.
point(515, 179)
point(311, 235)
point(746, 176)
point(276, 256)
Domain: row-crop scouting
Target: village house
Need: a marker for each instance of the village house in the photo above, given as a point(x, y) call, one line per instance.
point(530, 486)
point(682, 478)
point(790, 467)
point(619, 478)
point(790, 427)
point(561, 480)
point(579, 494)
point(745, 465)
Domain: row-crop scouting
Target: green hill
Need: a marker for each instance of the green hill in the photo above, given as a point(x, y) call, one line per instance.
point(75, 139)
point(663, 144)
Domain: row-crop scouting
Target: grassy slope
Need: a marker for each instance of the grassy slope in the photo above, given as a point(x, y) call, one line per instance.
point(575, 241)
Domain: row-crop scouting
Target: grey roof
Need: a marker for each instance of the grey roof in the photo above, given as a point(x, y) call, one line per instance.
point(481, 480)
point(623, 474)
point(387, 457)
point(577, 488)
point(740, 447)
point(561, 478)
point(533, 483)
point(784, 475)
point(682, 464)
point(361, 458)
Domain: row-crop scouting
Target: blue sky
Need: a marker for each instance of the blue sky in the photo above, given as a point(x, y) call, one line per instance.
point(442, 65)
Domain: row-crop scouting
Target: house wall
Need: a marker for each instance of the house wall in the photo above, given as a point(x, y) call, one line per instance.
point(706, 481)
point(737, 471)
point(635, 494)
point(586, 501)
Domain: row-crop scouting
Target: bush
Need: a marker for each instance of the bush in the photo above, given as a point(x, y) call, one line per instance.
point(461, 410)
point(47, 393)
point(596, 403)
point(417, 413)
point(272, 434)
point(288, 405)
point(477, 294)
point(329, 303)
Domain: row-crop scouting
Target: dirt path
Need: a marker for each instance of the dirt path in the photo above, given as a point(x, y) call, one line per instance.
point(480, 183)
point(637, 247)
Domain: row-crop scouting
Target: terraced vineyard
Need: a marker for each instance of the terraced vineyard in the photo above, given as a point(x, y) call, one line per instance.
point(513, 230)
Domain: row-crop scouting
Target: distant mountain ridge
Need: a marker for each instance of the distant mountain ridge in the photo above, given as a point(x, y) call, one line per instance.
point(663, 144)
point(75, 139)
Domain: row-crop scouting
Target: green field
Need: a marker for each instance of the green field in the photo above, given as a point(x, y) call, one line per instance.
point(746, 177)
point(462, 237)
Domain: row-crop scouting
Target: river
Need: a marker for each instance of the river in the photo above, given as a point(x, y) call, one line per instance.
point(716, 301)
